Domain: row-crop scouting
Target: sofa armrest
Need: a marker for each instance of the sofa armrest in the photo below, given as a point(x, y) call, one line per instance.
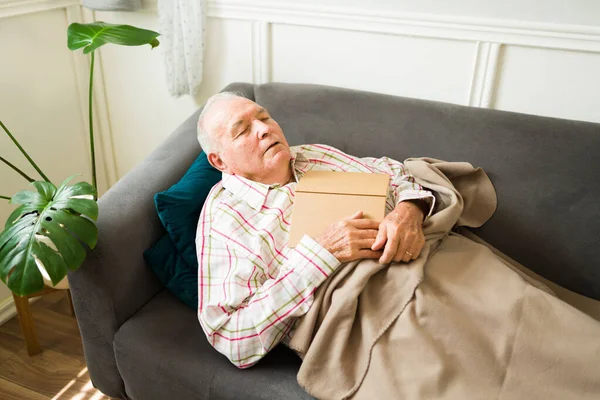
point(114, 281)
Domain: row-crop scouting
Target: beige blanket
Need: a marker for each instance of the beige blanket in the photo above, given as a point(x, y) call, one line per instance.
point(457, 323)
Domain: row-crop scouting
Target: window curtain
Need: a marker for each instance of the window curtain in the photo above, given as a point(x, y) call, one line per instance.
point(182, 24)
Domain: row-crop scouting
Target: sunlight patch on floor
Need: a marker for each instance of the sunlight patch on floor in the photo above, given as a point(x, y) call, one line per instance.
point(83, 391)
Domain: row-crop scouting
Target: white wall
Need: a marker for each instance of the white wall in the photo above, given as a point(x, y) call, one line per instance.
point(141, 111)
point(532, 56)
point(538, 57)
point(41, 102)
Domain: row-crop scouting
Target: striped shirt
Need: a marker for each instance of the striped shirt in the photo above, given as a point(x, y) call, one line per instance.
point(251, 286)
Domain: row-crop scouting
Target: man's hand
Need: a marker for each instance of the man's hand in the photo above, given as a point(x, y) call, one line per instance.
point(402, 234)
point(351, 238)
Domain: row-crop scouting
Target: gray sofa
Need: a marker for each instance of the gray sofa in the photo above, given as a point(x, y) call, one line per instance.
point(140, 342)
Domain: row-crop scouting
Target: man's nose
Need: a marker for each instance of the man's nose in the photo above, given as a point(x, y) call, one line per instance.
point(261, 128)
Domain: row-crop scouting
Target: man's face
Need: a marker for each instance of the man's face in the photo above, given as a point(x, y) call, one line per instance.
point(251, 143)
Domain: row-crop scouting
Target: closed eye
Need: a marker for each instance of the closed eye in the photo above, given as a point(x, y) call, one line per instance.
point(241, 133)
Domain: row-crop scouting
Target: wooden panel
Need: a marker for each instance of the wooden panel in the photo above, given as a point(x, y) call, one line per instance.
point(433, 69)
point(549, 82)
point(11, 344)
point(54, 330)
point(47, 373)
point(12, 391)
point(59, 372)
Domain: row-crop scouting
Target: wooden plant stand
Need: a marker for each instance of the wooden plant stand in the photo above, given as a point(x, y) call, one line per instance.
point(26, 318)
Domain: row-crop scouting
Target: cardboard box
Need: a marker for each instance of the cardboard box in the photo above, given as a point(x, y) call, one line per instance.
point(325, 197)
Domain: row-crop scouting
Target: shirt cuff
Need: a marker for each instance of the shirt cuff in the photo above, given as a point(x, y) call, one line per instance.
point(314, 260)
point(425, 195)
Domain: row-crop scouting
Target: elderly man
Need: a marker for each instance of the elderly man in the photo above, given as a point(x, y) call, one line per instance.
point(252, 286)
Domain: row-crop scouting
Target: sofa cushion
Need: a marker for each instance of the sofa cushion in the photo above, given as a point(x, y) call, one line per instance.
point(172, 270)
point(179, 206)
point(163, 344)
point(173, 256)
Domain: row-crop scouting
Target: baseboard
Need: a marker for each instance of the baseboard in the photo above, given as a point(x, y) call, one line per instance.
point(8, 309)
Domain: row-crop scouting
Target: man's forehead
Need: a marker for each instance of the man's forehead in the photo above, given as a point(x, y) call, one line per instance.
point(226, 112)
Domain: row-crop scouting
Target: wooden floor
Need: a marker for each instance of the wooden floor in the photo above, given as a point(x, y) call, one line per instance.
point(59, 372)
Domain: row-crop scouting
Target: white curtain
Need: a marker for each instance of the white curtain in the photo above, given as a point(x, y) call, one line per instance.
point(182, 25)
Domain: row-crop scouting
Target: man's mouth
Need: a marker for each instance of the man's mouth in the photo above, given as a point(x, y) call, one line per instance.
point(271, 146)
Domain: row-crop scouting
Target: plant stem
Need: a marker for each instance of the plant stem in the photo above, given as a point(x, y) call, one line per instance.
point(24, 152)
point(92, 148)
point(23, 174)
point(5, 197)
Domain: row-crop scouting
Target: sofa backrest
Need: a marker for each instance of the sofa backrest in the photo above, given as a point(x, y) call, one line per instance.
point(548, 186)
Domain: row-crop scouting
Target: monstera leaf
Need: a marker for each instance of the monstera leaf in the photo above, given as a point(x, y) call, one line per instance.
point(44, 236)
point(96, 34)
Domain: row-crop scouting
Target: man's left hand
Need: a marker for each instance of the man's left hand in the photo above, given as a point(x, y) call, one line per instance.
point(402, 234)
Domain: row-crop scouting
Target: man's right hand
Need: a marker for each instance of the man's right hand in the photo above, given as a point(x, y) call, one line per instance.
point(351, 238)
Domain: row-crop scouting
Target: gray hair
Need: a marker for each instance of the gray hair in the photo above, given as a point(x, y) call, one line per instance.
point(206, 140)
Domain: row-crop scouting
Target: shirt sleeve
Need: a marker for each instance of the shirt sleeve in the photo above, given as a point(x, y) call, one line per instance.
point(402, 185)
point(244, 311)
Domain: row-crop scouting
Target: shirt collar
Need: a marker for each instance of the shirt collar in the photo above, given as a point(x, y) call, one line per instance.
point(255, 193)
point(299, 162)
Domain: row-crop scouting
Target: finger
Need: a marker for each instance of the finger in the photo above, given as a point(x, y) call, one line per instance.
point(365, 253)
point(402, 256)
point(406, 256)
point(364, 223)
point(404, 253)
point(391, 248)
point(367, 234)
point(356, 215)
point(418, 248)
point(401, 252)
point(380, 239)
point(364, 243)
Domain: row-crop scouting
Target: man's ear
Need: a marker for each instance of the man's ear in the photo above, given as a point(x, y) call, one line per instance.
point(216, 161)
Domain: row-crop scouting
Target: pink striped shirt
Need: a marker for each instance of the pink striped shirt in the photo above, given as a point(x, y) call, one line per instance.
point(251, 286)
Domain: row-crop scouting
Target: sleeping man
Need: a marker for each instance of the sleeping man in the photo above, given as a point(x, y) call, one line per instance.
point(252, 286)
point(406, 308)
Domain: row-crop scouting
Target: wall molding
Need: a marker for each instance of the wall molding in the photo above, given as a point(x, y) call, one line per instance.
point(522, 33)
point(485, 72)
point(7, 310)
point(491, 75)
point(261, 51)
point(22, 7)
point(489, 36)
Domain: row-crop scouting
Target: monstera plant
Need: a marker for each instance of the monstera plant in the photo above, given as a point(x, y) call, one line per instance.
point(47, 234)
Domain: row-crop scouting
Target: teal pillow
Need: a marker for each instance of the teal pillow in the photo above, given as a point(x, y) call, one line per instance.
point(173, 271)
point(179, 206)
point(173, 257)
